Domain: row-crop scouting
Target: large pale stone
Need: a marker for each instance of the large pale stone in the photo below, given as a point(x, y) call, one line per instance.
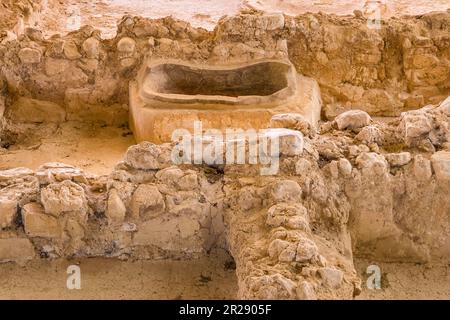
point(294, 121)
point(286, 190)
point(305, 291)
point(59, 198)
point(147, 202)
point(55, 66)
point(8, 210)
point(302, 167)
point(291, 216)
point(16, 249)
point(398, 159)
point(36, 111)
point(345, 167)
point(273, 21)
point(37, 223)
point(352, 119)
point(422, 168)
point(30, 56)
point(331, 277)
point(176, 234)
point(75, 230)
point(57, 172)
point(276, 247)
point(71, 51)
point(291, 142)
point(444, 107)
point(116, 210)
point(148, 156)
point(177, 178)
point(372, 163)
point(126, 45)
point(270, 287)
point(414, 125)
point(306, 250)
point(369, 135)
point(91, 48)
point(441, 165)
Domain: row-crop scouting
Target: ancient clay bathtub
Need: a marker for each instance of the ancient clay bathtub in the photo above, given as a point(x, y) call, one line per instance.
point(170, 95)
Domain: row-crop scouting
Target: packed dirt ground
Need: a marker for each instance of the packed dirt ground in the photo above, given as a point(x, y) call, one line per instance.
point(93, 148)
point(356, 196)
point(210, 277)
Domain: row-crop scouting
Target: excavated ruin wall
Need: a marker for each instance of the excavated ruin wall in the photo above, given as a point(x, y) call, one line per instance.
point(16, 15)
point(360, 187)
point(403, 66)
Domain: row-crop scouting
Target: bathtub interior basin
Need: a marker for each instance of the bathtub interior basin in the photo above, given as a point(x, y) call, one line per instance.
point(168, 95)
point(184, 83)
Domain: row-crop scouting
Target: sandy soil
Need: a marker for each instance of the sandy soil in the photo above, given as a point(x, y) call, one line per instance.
point(400, 281)
point(104, 14)
point(206, 278)
point(90, 147)
point(209, 277)
point(344, 7)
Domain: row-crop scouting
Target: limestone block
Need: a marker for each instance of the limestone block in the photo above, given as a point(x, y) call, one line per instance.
point(372, 163)
point(57, 172)
point(147, 202)
point(30, 56)
point(352, 119)
point(441, 165)
point(8, 210)
point(398, 159)
point(71, 51)
point(414, 125)
point(60, 198)
point(331, 277)
point(148, 156)
point(55, 66)
point(16, 249)
point(36, 111)
point(305, 291)
point(116, 210)
point(16, 173)
point(306, 250)
point(126, 46)
point(369, 135)
point(285, 190)
point(91, 48)
point(39, 224)
point(294, 121)
point(179, 234)
point(269, 287)
point(345, 167)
